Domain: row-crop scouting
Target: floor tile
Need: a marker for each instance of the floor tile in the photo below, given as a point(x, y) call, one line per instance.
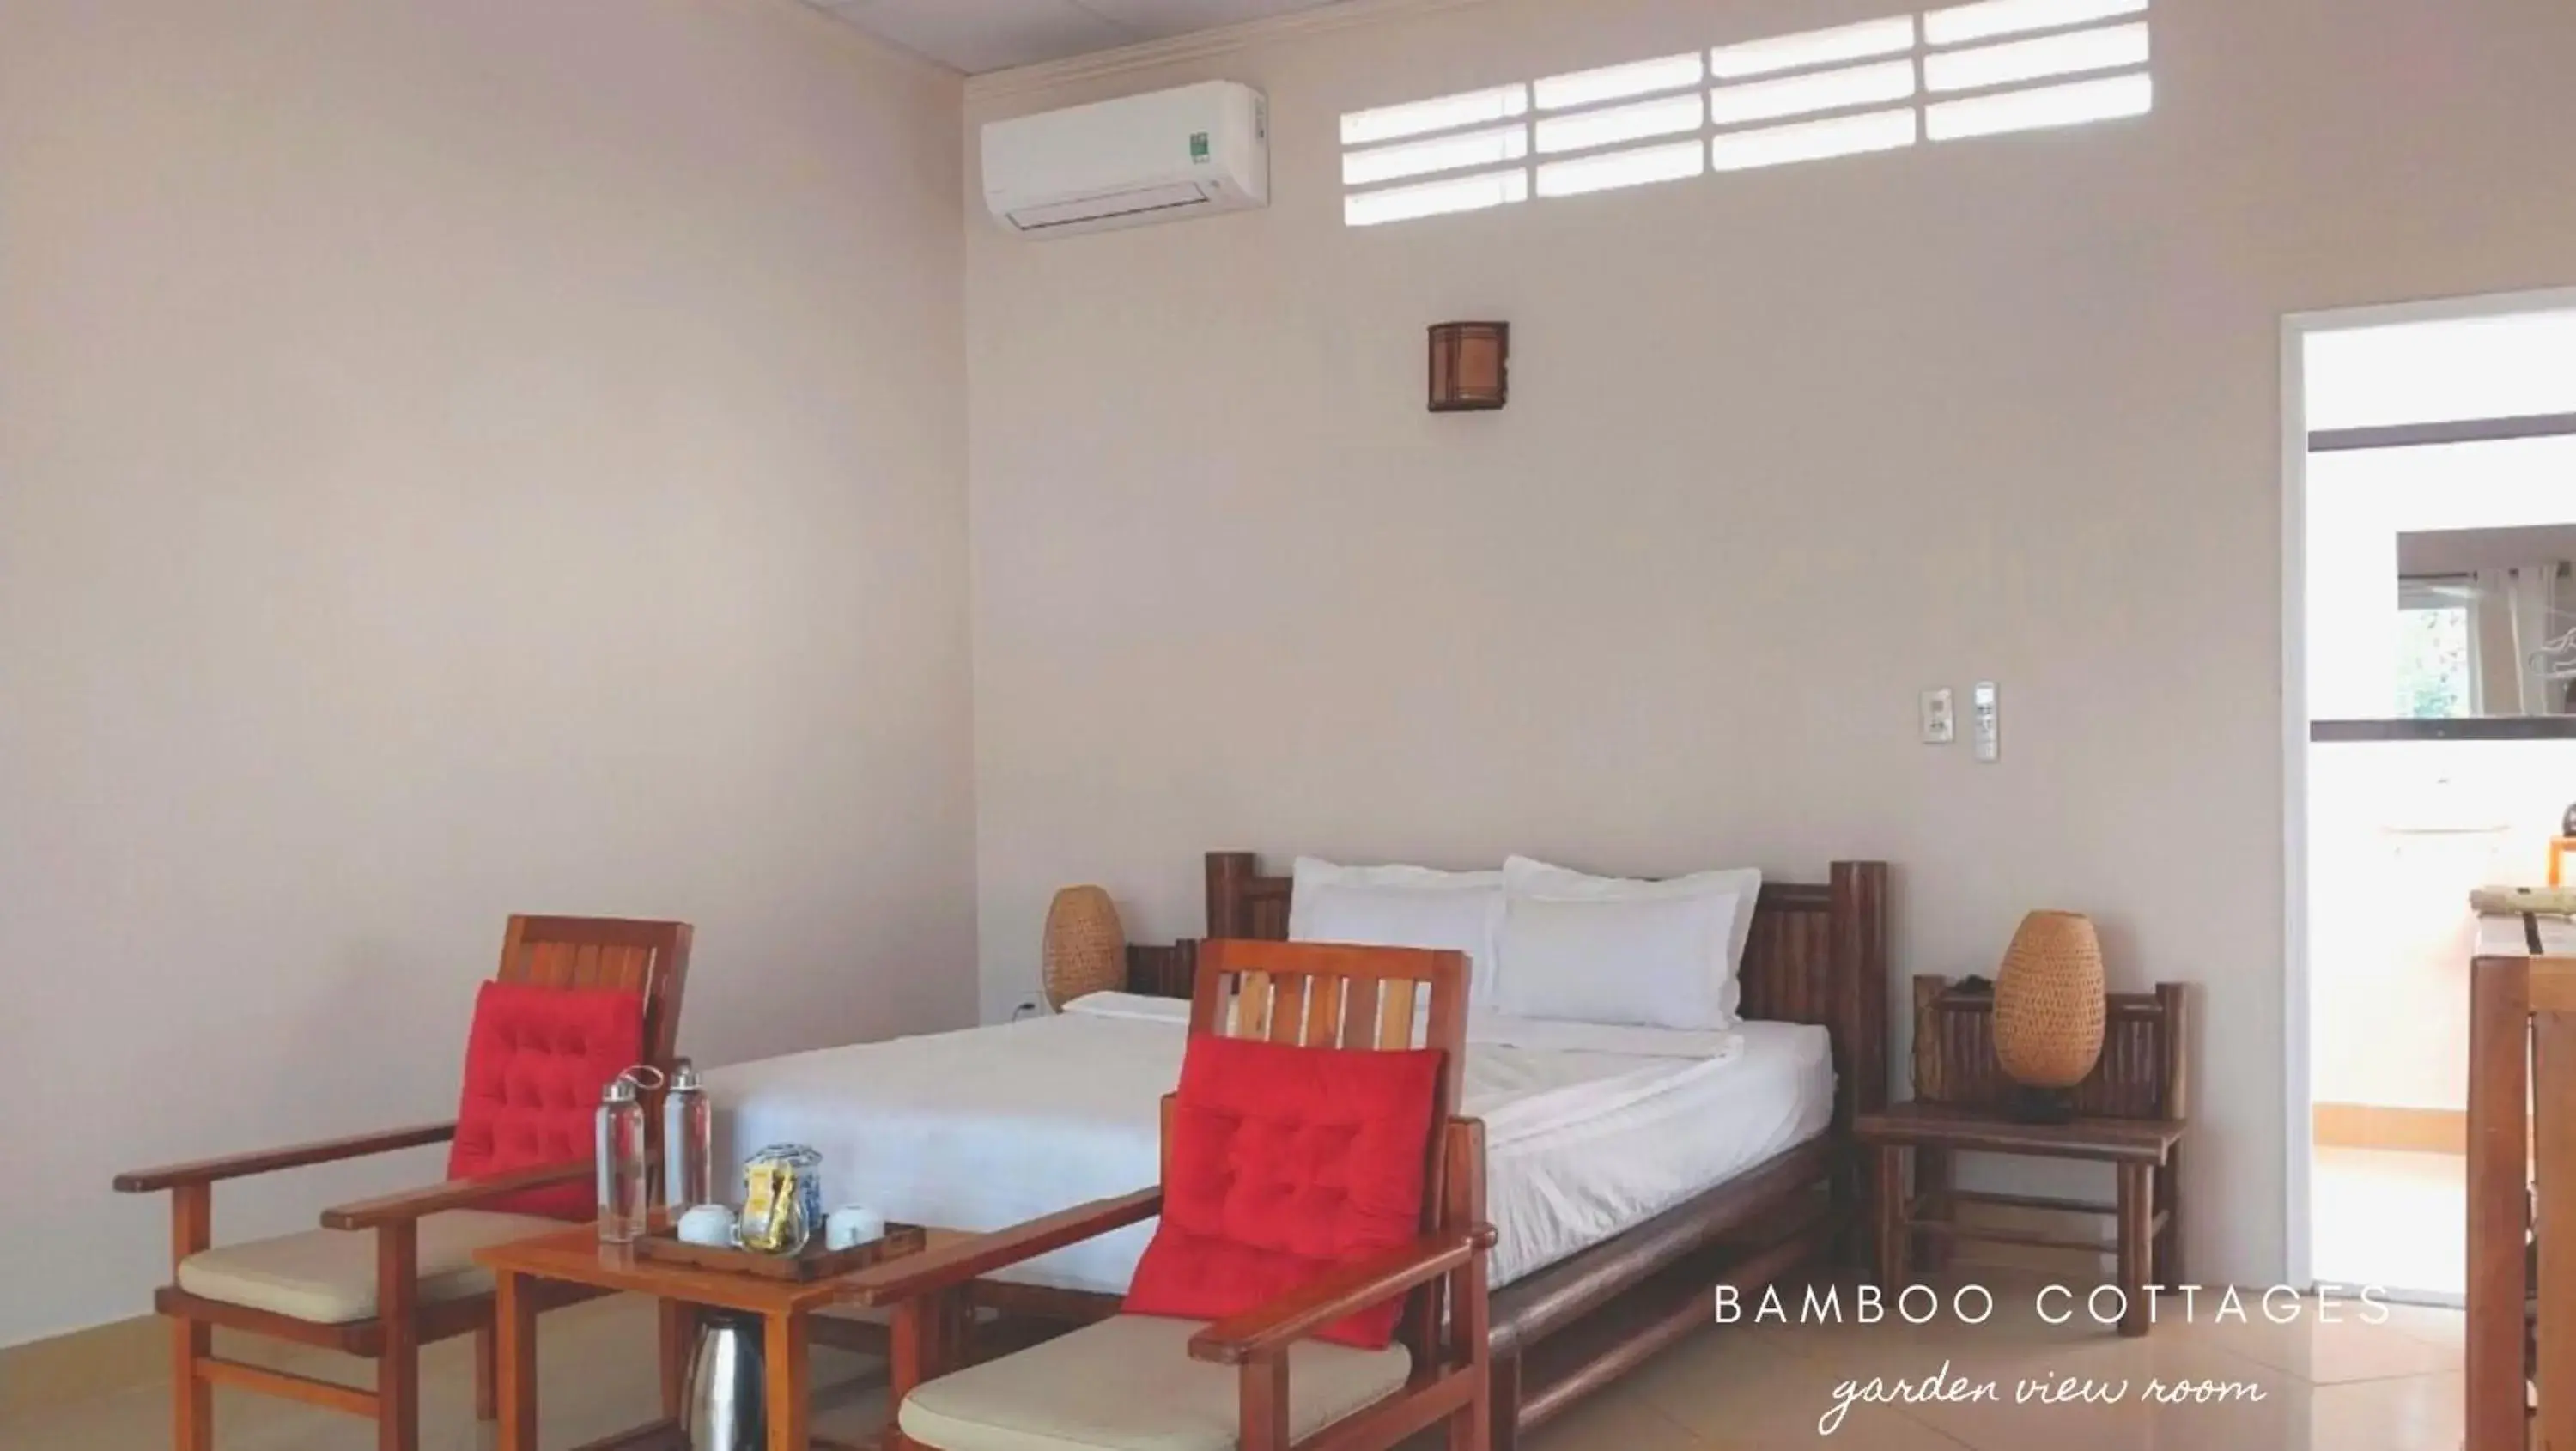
point(1613, 1423)
point(2353, 1349)
point(2393, 1219)
point(2413, 1413)
point(2393, 1387)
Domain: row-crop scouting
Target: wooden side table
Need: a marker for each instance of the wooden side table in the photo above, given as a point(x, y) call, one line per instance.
point(2132, 1114)
point(928, 1333)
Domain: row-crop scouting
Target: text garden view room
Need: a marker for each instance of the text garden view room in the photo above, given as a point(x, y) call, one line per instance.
point(1288, 725)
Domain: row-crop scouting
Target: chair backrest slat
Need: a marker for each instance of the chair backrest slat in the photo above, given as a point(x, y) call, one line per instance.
point(1327, 995)
point(1252, 1006)
point(1288, 1010)
point(1359, 1013)
point(607, 952)
point(1395, 1021)
point(1324, 1012)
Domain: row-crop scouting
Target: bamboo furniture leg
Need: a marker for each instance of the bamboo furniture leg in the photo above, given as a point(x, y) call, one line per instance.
point(484, 1404)
point(398, 1367)
point(927, 1343)
point(679, 1324)
point(2137, 1217)
point(1932, 1185)
point(2498, 1176)
point(2169, 1269)
point(1471, 1322)
point(2554, 1109)
point(514, 1361)
point(1265, 1403)
point(1504, 1395)
point(192, 1396)
point(1889, 1201)
point(790, 1388)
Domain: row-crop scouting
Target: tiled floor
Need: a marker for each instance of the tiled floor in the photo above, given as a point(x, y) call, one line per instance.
point(2393, 1219)
point(2332, 1387)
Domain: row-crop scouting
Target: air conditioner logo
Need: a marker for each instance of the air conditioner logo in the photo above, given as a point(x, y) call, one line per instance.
point(1198, 148)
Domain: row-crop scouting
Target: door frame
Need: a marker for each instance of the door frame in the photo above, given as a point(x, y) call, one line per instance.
point(2298, 1088)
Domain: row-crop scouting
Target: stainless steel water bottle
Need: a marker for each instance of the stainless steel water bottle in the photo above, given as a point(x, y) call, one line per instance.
point(621, 1160)
point(688, 1141)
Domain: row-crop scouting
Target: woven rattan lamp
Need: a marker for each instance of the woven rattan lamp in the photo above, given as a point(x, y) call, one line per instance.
point(2049, 1006)
point(1086, 949)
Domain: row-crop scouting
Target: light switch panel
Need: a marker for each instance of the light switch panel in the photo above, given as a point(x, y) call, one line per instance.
point(1940, 717)
point(1986, 706)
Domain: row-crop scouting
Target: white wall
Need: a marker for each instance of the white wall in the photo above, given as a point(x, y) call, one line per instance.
point(455, 458)
point(2442, 370)
point(1783, 449)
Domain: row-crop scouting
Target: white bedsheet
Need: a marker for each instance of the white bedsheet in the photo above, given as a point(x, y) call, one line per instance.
point(1589, 1130)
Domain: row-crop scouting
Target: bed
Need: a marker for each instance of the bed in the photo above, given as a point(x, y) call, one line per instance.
point(1629, 1170)
point(1587, 1131)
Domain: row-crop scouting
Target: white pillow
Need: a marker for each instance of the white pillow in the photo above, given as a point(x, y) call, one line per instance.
point(1401, 906)
point(1640, 961)
point(1656, 965)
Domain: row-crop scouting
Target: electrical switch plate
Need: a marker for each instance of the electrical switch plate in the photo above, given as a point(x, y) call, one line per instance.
point(1986, 706)
point(1940, 717)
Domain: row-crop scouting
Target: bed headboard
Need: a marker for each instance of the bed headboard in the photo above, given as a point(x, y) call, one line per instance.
point(1818, 955)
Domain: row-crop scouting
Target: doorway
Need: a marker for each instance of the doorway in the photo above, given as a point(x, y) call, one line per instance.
point(2430, 683)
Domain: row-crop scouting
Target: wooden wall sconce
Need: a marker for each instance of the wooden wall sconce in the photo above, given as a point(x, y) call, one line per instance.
point(1471, 366)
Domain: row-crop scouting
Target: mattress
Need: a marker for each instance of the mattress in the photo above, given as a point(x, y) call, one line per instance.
point(1589, 1130)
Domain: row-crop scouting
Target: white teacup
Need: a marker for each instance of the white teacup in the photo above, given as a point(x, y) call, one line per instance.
point(708, 1224)
point(852, 1225)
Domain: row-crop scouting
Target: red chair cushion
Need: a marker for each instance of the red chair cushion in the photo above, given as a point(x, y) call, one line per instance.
point(534, 1067)
point(1286, 1163)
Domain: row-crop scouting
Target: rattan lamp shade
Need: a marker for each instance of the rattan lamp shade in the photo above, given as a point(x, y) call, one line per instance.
point(2049, 1001)
point(1086, 949)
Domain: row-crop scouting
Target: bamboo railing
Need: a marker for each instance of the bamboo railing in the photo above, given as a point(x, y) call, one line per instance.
point(2522, 1136)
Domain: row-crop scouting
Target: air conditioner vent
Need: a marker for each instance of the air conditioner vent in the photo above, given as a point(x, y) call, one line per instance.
point(1115, 207)
point(1123, 163)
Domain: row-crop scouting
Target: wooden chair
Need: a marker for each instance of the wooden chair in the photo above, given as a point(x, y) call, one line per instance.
point(1162, 1383)
point(419, 1285)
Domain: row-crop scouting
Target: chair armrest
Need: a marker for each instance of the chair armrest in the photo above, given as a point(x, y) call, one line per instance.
point(269, 1161)
point(1342, 1293)
point(415, 1204)
point(972, 1258)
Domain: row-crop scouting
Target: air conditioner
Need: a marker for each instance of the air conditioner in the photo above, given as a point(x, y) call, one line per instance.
point(1154, 158)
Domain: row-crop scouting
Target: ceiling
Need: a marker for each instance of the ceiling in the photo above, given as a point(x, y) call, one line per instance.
point(976, 36)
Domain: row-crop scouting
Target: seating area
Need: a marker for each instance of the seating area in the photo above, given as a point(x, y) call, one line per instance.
point(574, 1002)
point(1360, 1309)
point(1269, 1159)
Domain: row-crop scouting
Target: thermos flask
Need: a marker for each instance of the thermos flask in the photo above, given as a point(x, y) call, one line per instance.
point(724, 1405)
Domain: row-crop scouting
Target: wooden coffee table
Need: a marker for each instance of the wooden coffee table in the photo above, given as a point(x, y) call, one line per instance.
point(924, 1341)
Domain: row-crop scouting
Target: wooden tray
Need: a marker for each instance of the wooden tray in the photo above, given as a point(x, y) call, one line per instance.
point(813, 1263)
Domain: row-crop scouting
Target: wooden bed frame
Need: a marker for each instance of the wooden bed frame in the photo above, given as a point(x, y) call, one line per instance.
point(1818, 955)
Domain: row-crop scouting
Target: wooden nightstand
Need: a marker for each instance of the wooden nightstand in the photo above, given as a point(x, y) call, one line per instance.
point(2131, 1114)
